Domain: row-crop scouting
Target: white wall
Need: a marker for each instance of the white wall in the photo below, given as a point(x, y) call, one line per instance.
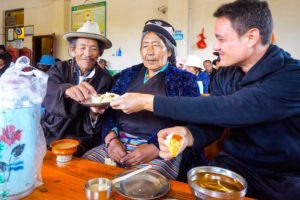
point(286, 18)
point(125, 21)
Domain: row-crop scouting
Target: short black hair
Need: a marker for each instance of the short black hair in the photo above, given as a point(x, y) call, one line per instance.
point(2, 47)
point(205, 61)
point(4, 56)
point(247, 14)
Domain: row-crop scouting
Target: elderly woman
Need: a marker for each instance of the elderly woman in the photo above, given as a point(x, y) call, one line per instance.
point(131, 140)
point(72, 82)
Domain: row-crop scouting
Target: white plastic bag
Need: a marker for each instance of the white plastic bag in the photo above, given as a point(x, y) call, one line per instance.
point(22, 142)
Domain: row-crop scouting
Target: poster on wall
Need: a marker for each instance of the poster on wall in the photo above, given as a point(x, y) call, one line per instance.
point(93, 12)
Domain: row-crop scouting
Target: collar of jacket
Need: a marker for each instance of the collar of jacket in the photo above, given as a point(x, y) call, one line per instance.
point(271, 62)
point(172, 76)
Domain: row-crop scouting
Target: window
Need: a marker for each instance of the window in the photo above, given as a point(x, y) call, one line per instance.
point(14, 28)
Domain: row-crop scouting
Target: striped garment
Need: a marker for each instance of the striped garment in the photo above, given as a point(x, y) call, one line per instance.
point(168, 168)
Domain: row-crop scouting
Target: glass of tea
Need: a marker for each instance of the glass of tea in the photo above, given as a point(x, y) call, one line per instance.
point(98, 189)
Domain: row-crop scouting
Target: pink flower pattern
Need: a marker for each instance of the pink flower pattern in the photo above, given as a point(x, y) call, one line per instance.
point(10, 135)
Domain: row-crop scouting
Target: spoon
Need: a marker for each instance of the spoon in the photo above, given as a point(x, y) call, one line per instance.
point(130, 174)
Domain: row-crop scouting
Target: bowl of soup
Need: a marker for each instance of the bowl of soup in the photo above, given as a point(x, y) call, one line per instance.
point(64, 149)
point(215, 183)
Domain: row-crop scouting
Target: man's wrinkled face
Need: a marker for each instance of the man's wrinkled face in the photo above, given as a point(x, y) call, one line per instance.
point(233, 49)
point(86, 53)
point(154, 52)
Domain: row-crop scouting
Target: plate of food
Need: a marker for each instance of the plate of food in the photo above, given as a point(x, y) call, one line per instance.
point(146, 185)
point(100, 100)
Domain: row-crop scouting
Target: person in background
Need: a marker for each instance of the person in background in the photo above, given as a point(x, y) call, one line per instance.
point(180, 61)
point(72, 82)
point(255, 93)
point(5, 62)
point(45, 63)
point(57, 60)
point(131, 140)
point(216, 62)
point(102, 63)
point(3, 50)
point(194, 65)
point(210, 71)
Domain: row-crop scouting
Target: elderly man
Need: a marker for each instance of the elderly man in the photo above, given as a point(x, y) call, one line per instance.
point(208, 66)
point(73, 82)
point(255, 93)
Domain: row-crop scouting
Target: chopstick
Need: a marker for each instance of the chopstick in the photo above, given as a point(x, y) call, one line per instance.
point(130, 174)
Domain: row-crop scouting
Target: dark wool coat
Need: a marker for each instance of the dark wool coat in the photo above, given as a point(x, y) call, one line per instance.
point(66, 118)
point(262, 108)
point(178, 83)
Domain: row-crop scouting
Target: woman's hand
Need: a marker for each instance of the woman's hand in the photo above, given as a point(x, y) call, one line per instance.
point(142, 154)
point(116, 150)
point(81, 92)
point(188, 140)
point(133, 102)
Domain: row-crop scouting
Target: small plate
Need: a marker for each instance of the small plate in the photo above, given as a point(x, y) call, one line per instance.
point(100, 105)
point(146, 185)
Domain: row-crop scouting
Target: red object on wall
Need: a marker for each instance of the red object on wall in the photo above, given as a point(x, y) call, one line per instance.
point(201, 44)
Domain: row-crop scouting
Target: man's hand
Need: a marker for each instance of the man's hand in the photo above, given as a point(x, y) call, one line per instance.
point(81, 92)
point(133, 102)
point(142, 154)
point(188, 140)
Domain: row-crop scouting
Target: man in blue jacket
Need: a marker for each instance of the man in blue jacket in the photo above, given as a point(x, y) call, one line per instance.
point(256, 94)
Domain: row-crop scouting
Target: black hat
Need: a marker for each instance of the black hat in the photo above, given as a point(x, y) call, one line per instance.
point(161, 27)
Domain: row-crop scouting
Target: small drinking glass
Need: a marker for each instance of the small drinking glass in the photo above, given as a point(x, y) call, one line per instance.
point(98, 189)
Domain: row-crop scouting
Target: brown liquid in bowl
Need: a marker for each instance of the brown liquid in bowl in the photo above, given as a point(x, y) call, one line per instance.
point(217, 182)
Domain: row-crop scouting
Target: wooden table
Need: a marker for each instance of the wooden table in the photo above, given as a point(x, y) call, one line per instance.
point(67, 181)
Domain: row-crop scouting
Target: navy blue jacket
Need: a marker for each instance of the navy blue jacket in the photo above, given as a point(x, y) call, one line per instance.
point(262, 108)
point(178, 83)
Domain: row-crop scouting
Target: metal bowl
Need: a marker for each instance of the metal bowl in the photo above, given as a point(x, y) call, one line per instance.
point(98, 188)
point(223, 177)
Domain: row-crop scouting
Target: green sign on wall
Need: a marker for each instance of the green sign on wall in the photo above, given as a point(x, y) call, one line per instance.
point(93, 12)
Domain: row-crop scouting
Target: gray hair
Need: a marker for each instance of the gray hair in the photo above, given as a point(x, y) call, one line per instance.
point(169, 45)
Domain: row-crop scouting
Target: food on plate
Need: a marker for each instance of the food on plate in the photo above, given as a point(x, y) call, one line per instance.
point(104, 98)
point(174, 142)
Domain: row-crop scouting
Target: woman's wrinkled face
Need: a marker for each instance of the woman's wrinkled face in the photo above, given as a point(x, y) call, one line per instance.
point(154, 52)
point(86, 53)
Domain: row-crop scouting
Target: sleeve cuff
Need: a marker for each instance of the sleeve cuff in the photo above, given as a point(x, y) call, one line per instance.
point(153, 140)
